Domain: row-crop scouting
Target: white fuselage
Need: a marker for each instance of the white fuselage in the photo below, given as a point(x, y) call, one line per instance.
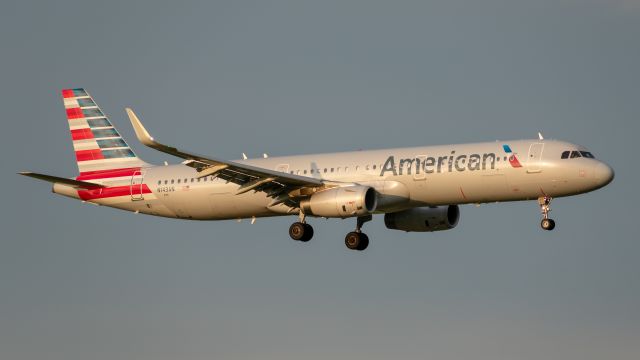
point(403, 178)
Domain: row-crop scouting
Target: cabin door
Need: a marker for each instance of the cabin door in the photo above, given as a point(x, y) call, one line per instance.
point(136, 186)
point(534, 160)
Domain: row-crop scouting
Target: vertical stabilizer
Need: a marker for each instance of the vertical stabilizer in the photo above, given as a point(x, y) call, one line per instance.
point(97, 144)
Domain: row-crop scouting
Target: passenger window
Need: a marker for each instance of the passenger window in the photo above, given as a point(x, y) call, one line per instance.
point(305, 172)
point(587, 154)
point(178, 181)
point(166, 181)
point(497, 158)
point(206, 178)
point(199, 179)
point(575, 154)
point(192, 179)
point(331, 169)
point(159, 182)
point(172, 181)
point(325, 170)
point(374, 166)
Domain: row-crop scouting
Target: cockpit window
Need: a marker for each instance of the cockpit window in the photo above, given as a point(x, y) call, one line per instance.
point(576, 154)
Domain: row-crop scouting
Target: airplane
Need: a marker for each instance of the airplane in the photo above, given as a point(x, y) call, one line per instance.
point(417, 189)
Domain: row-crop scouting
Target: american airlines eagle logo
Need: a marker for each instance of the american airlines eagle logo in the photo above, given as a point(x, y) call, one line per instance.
point(513, 159)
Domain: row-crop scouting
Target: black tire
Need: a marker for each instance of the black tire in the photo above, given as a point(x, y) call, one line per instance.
point(352, 240)
point(553, 225)
point(548, 224)
point(364, 241)
point(297, 231)
point(308, 233)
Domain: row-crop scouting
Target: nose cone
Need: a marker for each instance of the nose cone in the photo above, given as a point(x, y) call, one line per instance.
point(603, 174)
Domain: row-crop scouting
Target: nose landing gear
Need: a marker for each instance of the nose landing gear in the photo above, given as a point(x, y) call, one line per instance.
point(545, 208)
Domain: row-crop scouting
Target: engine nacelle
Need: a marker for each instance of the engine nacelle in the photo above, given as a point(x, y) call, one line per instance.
point(342, 202)
point(424, 218)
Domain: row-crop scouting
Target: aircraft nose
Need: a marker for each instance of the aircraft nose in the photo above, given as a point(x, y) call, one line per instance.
point(603, 173)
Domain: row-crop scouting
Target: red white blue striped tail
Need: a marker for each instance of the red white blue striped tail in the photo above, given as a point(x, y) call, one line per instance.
point(97, 144)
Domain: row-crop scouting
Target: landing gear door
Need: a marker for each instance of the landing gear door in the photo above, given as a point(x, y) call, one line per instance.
point(534, 160)
point(136, 186)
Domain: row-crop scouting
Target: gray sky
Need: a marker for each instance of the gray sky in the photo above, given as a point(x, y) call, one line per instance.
point(289, 77)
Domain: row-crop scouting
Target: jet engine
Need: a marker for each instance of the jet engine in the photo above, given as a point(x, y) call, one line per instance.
point(342, 202)
point(424, 218)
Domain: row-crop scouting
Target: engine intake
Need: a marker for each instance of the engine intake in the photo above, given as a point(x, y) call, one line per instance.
point(342, 202)
point(424, 219)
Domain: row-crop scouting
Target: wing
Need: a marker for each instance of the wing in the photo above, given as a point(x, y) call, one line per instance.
point(282, 187)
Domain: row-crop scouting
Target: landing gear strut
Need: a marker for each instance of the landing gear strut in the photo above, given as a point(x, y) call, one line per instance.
point(357, 240)
point(545, 208)
point(301, 231)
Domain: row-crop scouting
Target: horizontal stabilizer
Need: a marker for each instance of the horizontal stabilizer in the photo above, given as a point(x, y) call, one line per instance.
point(61, 180)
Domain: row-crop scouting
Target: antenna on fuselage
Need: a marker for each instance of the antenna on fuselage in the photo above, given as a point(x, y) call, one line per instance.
point(265, 155)
point(540, 136)
point(244, 156)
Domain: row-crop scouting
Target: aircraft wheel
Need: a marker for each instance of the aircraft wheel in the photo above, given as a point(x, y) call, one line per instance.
point(299, 231)
point(548, 224)
point(356, 241)
point(308, 233)
point(364, 241)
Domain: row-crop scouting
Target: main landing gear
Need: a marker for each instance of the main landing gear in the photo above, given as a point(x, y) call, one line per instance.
point(545, 208)
point(301, 231)
point(355, 240)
